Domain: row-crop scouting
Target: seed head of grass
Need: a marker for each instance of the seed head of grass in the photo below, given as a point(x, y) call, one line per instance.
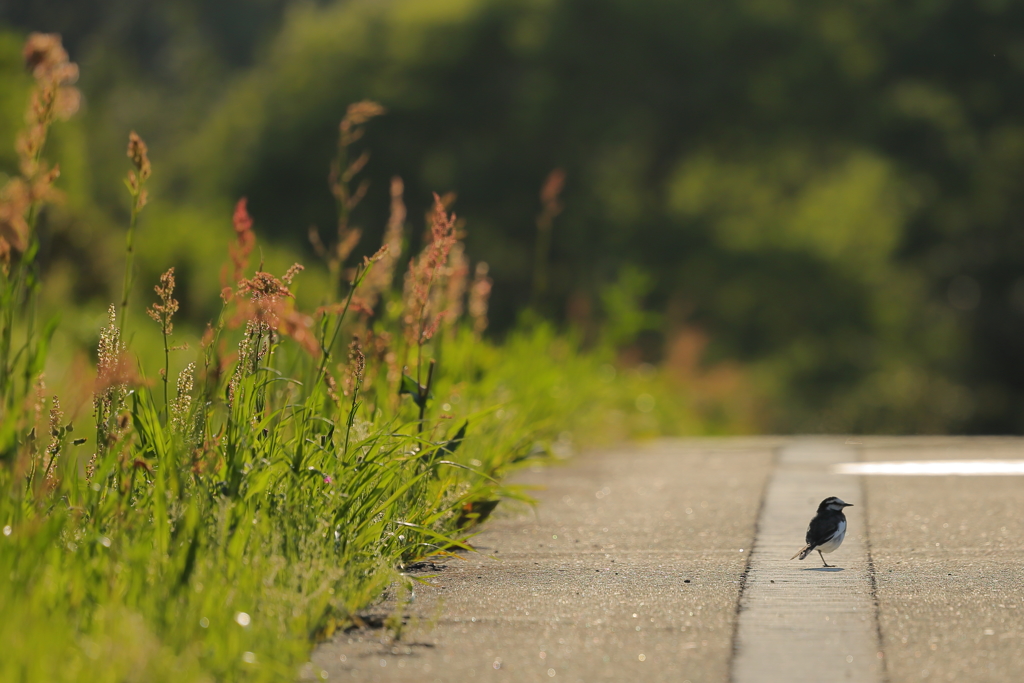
point(110, 352)
point(56, 438)
point(456, 277)
point(424, 271)
point(138, 152)
point(183, 400)
point(137, 177)
point(46, 58)
point(264, 286)
point(15, 200)
point(356, 367)
point(163, 312)
point(290, 274)
point(251, 350)
point(115, 372)
point(52, 97)
point(54, 73)
point(244, 242)
point(359, 113)
point(266, 298)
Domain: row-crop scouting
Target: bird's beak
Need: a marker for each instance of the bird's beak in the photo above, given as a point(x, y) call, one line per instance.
point(847, 505)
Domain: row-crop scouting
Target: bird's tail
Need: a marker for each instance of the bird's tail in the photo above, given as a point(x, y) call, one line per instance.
point(804, 552)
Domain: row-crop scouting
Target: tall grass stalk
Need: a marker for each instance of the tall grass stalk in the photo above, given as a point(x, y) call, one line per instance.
point(135, 181)
point(21, 201)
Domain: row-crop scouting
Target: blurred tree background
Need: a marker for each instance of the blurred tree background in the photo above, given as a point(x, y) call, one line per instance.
point(825, 194)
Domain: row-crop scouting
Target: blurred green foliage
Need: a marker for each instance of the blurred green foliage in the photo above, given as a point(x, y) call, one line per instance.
point(829, 190)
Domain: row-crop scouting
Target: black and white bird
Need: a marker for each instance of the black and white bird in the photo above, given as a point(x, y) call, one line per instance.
point(826, 531)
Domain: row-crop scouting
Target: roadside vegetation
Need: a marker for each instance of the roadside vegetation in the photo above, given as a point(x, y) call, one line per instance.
point(248, 493)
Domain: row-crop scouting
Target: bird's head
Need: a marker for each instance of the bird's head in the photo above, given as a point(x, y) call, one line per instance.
point(833, 503)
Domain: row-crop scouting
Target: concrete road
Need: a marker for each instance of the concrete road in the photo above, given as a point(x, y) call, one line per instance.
point(949, 557)
point(637, 566)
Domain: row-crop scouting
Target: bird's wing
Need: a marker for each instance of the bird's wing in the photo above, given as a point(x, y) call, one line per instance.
point(822, 529)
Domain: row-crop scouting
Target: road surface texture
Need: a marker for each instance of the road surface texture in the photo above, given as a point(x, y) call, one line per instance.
point(949, 561)
point(670, 562)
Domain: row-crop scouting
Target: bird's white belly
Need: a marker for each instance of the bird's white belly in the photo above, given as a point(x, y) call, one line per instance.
point(836, 540)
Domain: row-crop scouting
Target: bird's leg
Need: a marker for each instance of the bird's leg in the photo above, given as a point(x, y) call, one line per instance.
point(823, 560)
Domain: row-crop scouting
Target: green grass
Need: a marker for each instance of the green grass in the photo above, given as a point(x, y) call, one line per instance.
point(145, 579)
point(217, 526)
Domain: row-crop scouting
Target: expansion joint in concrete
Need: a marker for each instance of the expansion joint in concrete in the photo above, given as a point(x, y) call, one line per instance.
point(800, 621)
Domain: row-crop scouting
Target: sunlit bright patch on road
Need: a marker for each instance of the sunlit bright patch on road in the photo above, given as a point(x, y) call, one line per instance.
point(934, 467)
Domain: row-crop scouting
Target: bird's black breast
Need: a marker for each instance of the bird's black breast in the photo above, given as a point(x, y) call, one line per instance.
point(824, 526)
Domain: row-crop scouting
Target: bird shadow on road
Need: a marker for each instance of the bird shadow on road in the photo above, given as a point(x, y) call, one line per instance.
point(823, 569)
